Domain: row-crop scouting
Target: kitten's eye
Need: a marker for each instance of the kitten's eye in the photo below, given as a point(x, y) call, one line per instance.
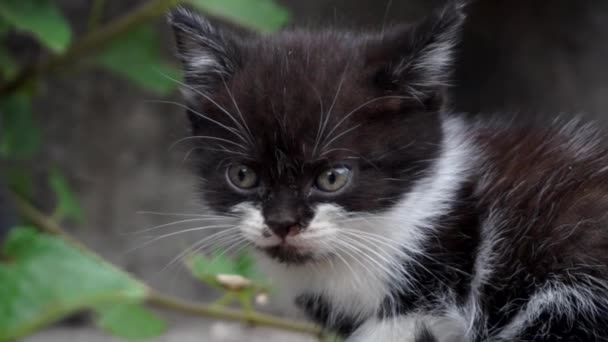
point(242, 177)
point(334, 179)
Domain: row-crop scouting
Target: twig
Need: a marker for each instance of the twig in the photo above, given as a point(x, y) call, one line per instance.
point(159, 300)
point(174, 304)
point(42, 222)
point(90, 43)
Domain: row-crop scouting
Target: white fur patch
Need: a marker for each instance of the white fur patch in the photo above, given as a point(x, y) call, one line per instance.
point(485, 264)
point(556, 299)
point(406, 329)
point(342, 279)
point(252, 225)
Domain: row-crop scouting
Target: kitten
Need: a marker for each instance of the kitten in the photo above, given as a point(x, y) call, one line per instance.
point(382, 215)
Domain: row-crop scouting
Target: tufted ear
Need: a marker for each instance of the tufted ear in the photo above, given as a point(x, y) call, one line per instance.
point(417, 58)
point(207, 54)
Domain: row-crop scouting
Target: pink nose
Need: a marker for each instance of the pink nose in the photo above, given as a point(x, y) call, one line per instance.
point(283, 231)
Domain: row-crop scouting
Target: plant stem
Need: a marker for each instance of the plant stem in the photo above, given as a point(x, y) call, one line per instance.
point(90, 43)
point(43, 222)
point(159, 300)
point(255, 318)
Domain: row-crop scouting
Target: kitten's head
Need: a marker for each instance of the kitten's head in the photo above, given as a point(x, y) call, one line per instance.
point(303, 135)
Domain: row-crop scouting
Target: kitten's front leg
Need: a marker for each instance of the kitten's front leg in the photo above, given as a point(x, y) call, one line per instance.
point(409, 328)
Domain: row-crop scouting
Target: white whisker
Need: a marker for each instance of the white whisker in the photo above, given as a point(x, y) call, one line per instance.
point(205, 96)
point(244, 126)
point(172, 224)
point(191, 249)
point(384, 267)
point(183, 214)
point(347, 116)
point(207, 137)
point(319, 138)
point(339, 136)
point(176, 233)
point(228, 128)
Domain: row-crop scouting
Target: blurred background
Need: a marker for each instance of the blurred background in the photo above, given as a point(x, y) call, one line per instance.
point(102, 134)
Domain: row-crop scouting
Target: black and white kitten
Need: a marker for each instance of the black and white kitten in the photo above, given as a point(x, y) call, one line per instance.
point(382, 215)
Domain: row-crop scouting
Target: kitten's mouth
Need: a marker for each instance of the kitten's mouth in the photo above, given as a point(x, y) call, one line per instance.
point(285, 253)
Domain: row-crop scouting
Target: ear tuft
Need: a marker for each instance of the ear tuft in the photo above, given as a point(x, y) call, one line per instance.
point(207, 55)
point(419, 57)
point(434, 40)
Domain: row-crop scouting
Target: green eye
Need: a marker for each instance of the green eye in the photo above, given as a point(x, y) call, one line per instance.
point(242, 177)
point(334, 179)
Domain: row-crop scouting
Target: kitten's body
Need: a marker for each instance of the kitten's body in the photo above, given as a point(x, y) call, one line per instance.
point(499, 232)
point(443, 229)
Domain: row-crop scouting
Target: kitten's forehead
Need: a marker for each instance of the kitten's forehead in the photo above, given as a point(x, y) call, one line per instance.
point(293, 88)
point(305, 48)
point(297, 63)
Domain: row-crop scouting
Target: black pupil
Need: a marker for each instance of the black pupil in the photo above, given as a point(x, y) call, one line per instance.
point(331, 178)
point(242, 174)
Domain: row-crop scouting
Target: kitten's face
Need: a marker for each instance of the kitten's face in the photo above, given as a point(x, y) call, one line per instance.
point(303, 135)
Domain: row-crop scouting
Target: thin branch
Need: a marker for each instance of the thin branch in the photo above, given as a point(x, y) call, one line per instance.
point(43, 222)
point(159, 300)
point(255, 318)
point(90, 43)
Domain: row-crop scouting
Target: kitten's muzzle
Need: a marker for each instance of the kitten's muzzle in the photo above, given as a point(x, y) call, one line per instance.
point(285, 214)
point(284, 229)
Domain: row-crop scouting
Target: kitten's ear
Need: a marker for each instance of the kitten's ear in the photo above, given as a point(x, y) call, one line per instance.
point(208, 55)
point(418, 58)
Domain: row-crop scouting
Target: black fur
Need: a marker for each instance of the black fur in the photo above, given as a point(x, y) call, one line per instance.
point(319, 310)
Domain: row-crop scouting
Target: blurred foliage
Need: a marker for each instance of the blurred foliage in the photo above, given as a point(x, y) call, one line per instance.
point(44, 278)
point(40, 18)
point(129, 321)
point(237, 278)
point(68, 206)
point(137, 57)
point(8, 67)
point(261, 15)
point(21, 136)
point(19, 180)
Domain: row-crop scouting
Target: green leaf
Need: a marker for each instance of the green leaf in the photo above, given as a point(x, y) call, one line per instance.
point(20, 136)
point(129, 321)
point(45, 279)
point(137, 56)
point(261, 15)
point(41, 18)
point(244, 264)
point(68, 206)
point(206, 269)
point(4, 26)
